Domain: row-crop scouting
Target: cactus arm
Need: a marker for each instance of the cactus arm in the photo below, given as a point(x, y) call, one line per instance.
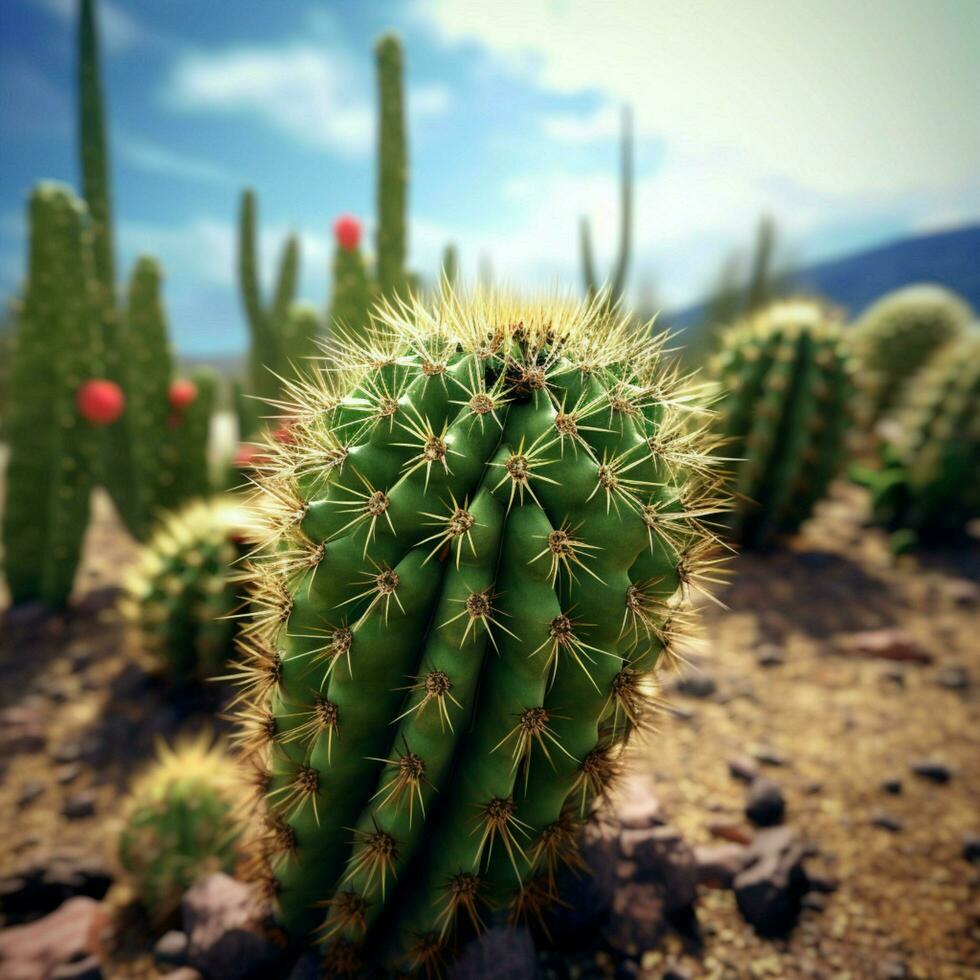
point(392, 168)
point(450, 266)
point(350, 301)
point(588, 262)
point(625, 208)
point(193, 429)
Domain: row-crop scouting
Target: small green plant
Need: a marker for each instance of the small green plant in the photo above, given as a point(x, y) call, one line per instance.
point(185, 587)
point(179, 823)
point(897, 335)
point(784, 410)
point(481, 536)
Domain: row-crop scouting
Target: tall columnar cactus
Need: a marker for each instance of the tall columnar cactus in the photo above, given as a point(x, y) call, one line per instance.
point(392, 169)
point(897, 335)
point(786, 388)
point(617, 280)
point(483, 527)
point(190, 425)
point(179, 824)
point(266, 320)
point(929, 488)
point(350, 302)
point(185, 586)
point(53, 445)
point(450, 265)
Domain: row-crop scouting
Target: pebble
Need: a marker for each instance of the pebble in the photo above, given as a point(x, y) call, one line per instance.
point(79, 805)
point(171, 948)
point(696, 684)
point(30, 790)
point(931, 769)
point(892, 785)
point(971, 848)
point(886, 821)
point(743, 767)
point(770, 756)
point(765, 804)
point(954, 678)
point(770, 655)
point(888, 644)
point(68, 774)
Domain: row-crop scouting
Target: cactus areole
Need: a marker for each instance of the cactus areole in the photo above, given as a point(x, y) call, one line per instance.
point(347, 231)
point(481, 537)
point(100, 402)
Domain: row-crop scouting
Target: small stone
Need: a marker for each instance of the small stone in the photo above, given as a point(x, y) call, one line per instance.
point(682, 712)
point(892, 785)
point(971, 848)
point(30, 790)
point(770, 655)
point(634, 802)
point(68, 774)
point(743, 767)
point(717, 864)
point(171, 948)
point(963, 592)
point(770, 756)
point(954, 677)
point(21, 730)
point(886, 821)
point(765, 804)
point(931, 769)
point(79, 805)
point(894, 675)
point(696, 684)
point(67, 752)
point(888, 644)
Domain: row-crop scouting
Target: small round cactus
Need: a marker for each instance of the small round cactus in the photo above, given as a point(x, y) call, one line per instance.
point(481, 537)
point(100, 402)
point(185, 588)
point(179, 822)
point(897, 335)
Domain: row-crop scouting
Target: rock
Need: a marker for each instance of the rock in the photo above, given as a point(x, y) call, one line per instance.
point(770, 655)
point(501, 953)
point(886, 821)
point(765, 804)
point(21, 730)
point(894, 674)
point(770, 756)
point(954, 677)
point(892, 785)
point(971, 848)
point(743, 767)
point(730, 830)
point(37, 889)
point(681, 712)
point(770, 887)
point(171, 948)
point(634, 803)
point(963, 591)
point(888, 644)
point(30, 790)
point(696, 684)
point(931, 769)
point(80, 805)
point(662, 858)
point(67, 752)
point(36, 950)
point(717, 864)
point(87, 969)
point(226, 930)
point(68, 774)
point(638, 918)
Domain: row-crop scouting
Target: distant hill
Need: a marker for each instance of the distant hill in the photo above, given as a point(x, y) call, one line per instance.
point(951, 258)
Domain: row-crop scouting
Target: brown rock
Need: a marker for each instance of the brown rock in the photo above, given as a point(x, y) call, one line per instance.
point(634, 803)
point(21, 730)
point(770, 887)
point(728, 829)
point(888, 644)
point(717, 864)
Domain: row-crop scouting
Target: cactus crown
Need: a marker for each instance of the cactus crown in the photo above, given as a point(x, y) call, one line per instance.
point(784, 410)
point(479, 539)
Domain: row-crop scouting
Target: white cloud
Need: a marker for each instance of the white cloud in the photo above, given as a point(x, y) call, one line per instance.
point(425, 101)
point(118, 28)
point(157, 159)
point(602, 124)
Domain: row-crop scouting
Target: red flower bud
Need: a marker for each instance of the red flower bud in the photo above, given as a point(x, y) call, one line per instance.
point(100, 402)
point(347, 230)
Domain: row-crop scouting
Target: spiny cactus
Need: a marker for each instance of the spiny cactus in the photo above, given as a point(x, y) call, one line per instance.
point(484, 528)
point(186, 585)
point(179, 823)
point(786, 386)
point(897, 335)
point(54, 447)
point(929, 487)
point(392, 169)
point(617, 280)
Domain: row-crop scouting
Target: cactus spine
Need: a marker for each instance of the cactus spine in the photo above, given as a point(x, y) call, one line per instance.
point(617, 280)
point(482, 521)
point(929, 488)
point(178, 824)
point(786, 386)
point(53, 450)
point(392, 169)
point(897, 335)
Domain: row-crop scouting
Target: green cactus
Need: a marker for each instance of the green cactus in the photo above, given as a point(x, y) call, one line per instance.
point(178, 824)
point(786, 387)
point(190, 435)
point(392, 169)
point(485, 520)
point(267, 322)
point(350, 301)
point(53, 449)
point(184, 587)
point(617, 281)
point(897, 335)
point(450, 266)
point(929, 487)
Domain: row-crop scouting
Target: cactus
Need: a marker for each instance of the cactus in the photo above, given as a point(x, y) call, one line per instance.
point(54, 447)
point(392, 169)
point(450, 266)
point(350, 302)
point(185, 586)
point(190, 425)
point(897, 335)
point(484, 522)
point(928, 489)
point(617, 281)
point(178, 824)
point(786, 385)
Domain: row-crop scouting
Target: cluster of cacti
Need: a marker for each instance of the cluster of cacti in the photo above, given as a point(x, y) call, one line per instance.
point(184, 591)
point(616, 283)
point(785, 390)
point(179, 822)
point(929, 487)
point(897, 335)
point(57, 403)
point(481, 535)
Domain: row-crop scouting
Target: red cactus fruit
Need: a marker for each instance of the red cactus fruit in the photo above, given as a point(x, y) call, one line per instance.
point(182, 393)
point(347, 230)
point(284, 434)
point(100, 402)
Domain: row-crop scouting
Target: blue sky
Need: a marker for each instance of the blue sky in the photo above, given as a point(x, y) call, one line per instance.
point(851, 123)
